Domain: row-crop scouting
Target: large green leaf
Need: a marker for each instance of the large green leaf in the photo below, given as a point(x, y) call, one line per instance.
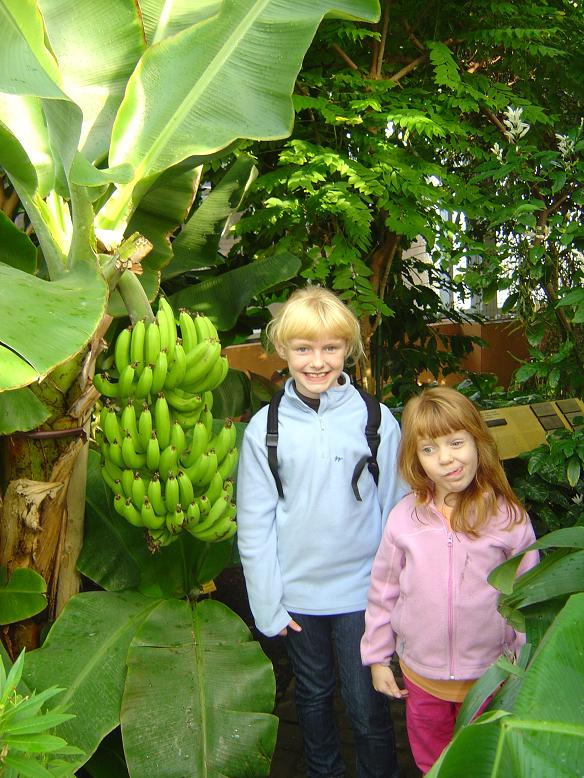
point(198, 696)
point(85, 653)
point(22, 595)
point(544, 735)
point(21, 410)
point(224, 297)
point(46, 323)
point(197, 244)
point(16, 248)
point(96, 46)
point(162, 19)
point(202, 89)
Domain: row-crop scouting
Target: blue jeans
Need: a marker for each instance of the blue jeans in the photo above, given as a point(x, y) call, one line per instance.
point(312, 655)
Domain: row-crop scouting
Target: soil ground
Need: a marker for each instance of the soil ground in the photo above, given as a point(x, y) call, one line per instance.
point(288, 761)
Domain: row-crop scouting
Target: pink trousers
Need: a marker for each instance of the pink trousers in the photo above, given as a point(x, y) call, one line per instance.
point(430, 724)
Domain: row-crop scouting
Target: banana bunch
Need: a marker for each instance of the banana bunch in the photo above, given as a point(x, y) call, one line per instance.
point(167, 470)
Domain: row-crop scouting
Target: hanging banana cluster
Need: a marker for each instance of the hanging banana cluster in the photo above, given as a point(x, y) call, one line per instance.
point(167, 470)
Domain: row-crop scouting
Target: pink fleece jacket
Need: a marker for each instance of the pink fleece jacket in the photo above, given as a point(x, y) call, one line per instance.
point(429, 599)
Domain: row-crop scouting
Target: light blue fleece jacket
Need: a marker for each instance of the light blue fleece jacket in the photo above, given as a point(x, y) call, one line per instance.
point(312, 551)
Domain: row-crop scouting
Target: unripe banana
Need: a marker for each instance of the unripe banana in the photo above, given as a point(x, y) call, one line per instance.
point(175, 519)
point(125, 383)
point(137, 345)
point(218, 508)
point(208, 399)
point(144, 384)
point(114, 471)
point(115, 485)
point(187, 420)
point(130, 427)
point(215, 487)
point(159, 372)
point(183, 401)
point(122, 350)
point(229, 486)
point(168, 462)
point(119, 503)
point(127, 481)
point(207, 419)
point(177, 438)
point(132, 514)
point(214, 377)
point(111, 426)
point(170, 326)
point(176, 368)
point(200, 362)
point(152, 343)
point(204, 506)
point(138, 490)
point(192, 516)
point(153, 452)
point(223, 529)
point(155, 495)
point(188, 331)
point(171, 493)
point(223, 440)
point(227, 467)
point(145, 426)
point(162, 421)
point(131, 457)
point(198, 445)
point(105, 386)
point(114, 452)
point(149, 517)
point(203, 478)
point(185, 488)
point(204, 327)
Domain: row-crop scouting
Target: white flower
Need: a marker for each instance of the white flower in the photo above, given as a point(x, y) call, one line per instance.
point(498, 152)
point(516, 128)
point(578, 499)
point(566, 145)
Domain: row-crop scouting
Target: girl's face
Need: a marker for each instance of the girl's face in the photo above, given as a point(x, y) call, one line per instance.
point(450, 462)
point(315, 365)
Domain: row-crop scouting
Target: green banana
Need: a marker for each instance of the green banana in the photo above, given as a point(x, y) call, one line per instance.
point(178, 438)
point(204, 506)
point(170, 326)
point(223, 529)
point(200, 362)
point(130, 427)
point(150, 519)
point(111, 426)
point(215, 487)
point(185, 488)
point(192, 516)
point(105, 386)
point(114, 453)
point(228, 465)
point(145, 426)
point(138, 489)
point(188, 331)
point(224, 440)
point(132, 514)
point(131, 457)
point(162, 420)
point(159, 372)
point(127, 481)
point(218, 508)
point(204, 327)
point(176, 368)
point(183, 401)
point(198, 445)
point(168, 462)
point(115, 485)
point(171, 493)
point(122, 350)
point(208, 399)
point(229, 486)
point(119, 502)
point(114, 471)
point(144, 384)
point(153, 453)
point(213, 378)
point(154, 492)
point(137, 344)
point(187, 420)
point(152, 344)
point(126, 380)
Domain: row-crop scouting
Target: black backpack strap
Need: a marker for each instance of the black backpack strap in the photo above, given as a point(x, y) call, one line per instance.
point(272, 439)
point(373, 440)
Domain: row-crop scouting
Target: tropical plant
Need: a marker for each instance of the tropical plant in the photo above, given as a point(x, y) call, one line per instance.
point(27, 747)
point(534, 725)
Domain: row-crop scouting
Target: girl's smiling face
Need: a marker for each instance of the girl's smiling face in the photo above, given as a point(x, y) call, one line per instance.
point(315, 365)
point(450, 462)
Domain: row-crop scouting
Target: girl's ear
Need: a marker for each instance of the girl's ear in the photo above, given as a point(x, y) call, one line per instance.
point(281, 351)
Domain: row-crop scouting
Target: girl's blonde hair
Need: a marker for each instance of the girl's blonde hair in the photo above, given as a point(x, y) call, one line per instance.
point(312, 312)
point(440, 411)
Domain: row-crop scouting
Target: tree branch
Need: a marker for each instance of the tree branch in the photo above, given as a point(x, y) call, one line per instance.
point(344, 56)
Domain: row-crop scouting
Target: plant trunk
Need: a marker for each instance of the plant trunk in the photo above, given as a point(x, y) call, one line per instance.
point(43, 477)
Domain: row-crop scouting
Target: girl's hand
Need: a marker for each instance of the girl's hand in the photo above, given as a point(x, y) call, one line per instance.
point(293, 626)
point(384, 682)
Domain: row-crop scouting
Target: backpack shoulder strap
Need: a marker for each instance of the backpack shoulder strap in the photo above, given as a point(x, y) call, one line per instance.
point(272, 439)
point(373, 440)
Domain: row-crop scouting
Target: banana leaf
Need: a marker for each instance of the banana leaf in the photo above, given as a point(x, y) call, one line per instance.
point(85, 653)
point(16, 248)
point(222, 298)
point(196, 669)
point(162, 19)
point(22, 410)
point(22, 595)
